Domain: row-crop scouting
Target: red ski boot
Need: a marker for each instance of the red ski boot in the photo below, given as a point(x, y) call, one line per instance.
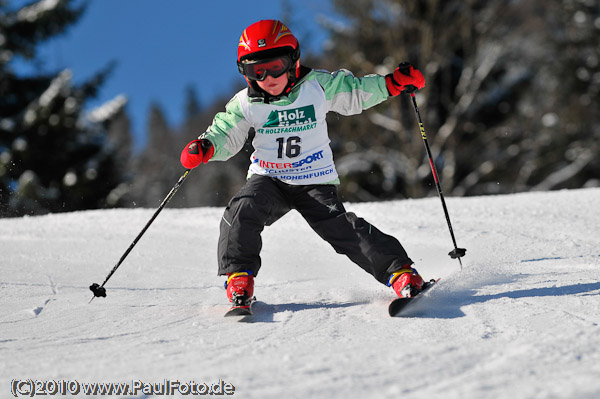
point(240, 287)
point(406, 282)
point(240, 291)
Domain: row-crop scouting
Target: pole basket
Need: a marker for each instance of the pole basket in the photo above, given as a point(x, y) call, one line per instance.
point(457, 253)
point(98, 290)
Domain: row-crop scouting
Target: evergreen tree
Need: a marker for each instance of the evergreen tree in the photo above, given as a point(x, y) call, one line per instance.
point(157, 167)
point(51, 158)
point(567, 95)
point(510, 102)
point(192, 104)
point(112, 118)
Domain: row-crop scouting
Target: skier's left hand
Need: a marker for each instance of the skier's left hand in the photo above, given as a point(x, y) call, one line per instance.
point(405, 77)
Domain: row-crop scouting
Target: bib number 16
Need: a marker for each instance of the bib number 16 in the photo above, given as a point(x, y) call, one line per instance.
point(291, 146)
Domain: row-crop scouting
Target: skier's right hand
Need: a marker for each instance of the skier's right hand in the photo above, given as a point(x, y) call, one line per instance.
point(196, 152)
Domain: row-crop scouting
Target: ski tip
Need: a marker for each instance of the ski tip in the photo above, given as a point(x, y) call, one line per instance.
point(239, 311)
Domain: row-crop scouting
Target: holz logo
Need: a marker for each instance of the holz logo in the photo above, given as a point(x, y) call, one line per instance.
point(298, 116)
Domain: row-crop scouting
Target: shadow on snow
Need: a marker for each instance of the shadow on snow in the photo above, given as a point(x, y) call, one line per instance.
point(447, 305)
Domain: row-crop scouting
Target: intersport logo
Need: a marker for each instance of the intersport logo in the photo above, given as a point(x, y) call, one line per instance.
point(291, 117)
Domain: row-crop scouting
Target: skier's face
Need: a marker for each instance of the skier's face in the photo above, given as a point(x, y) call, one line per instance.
point(274, 86)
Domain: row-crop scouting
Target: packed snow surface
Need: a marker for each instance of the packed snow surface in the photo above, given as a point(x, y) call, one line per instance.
point(520, 320)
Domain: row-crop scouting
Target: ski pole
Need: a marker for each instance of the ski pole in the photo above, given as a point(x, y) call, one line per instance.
point(456, 253)
point(99, 290)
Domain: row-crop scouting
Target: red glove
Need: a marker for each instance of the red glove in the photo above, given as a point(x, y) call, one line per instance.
point(197, 152)
point(405, 77)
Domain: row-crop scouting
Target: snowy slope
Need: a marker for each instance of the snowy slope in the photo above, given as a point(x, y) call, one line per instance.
point(521, 320)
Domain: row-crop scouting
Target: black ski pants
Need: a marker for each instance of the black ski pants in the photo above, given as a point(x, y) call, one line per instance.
point(263, 200)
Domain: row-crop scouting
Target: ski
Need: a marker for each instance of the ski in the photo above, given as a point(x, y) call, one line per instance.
point(399, 304)
point(242, 307)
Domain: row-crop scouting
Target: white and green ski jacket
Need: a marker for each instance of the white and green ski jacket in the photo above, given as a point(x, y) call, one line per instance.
point(291, 141)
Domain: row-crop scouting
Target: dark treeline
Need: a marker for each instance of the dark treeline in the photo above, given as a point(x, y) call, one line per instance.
point(511, 105)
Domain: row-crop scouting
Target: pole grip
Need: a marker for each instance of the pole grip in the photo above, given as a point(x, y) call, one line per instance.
point(404, 68)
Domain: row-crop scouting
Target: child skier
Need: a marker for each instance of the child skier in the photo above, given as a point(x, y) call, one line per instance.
point(292, 166)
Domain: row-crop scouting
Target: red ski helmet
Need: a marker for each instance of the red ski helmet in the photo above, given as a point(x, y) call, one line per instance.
point(268, 39)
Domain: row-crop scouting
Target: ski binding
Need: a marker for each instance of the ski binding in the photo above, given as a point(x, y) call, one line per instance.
point(241, 306)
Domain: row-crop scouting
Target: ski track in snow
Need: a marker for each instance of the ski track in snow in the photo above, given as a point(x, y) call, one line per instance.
point(521, 320)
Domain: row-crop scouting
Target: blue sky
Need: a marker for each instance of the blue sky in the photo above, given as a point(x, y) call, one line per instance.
point(162, 46)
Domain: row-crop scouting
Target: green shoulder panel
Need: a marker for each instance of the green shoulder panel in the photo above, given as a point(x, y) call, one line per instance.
point(229, 130)
point(349, 95)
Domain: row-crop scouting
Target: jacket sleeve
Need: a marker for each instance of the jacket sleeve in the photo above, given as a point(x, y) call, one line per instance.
point(349, 95)
point(228, 131)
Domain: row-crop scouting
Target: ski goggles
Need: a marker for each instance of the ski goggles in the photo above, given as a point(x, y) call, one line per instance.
point(258, 70)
